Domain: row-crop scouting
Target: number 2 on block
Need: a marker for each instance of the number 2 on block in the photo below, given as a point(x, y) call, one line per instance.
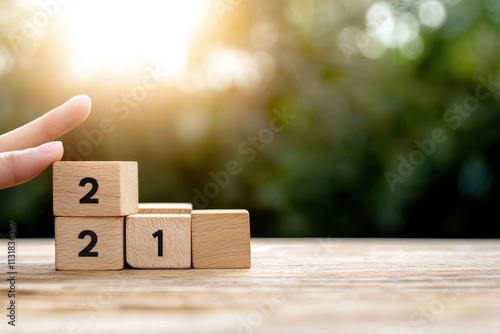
point(87, 199)
point(86, 252)
point(159, 234)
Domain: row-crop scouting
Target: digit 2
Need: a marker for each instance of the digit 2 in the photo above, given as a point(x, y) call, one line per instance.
point(87, 199)
point(86, 252)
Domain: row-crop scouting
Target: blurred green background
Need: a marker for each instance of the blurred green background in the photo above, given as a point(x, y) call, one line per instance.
point(192, 86)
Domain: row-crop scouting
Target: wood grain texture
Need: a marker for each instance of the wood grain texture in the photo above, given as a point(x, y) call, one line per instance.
point(165, 208)
point(220, 239)
point(295, 286)
point(117, 193)
point(142, 246)
point(110, 243)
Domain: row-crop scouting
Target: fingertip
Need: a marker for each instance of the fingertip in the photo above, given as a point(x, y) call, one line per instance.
point(80, 104)
point(50, 147)
point(83, 98)
point(17, 167)
point(54, 149)
point(59, 154)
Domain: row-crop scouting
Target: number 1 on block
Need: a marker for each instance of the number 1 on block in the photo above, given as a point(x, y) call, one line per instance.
point(158, 241)
point(159, 234)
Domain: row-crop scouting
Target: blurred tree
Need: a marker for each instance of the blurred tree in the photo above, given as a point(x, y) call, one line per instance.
point(365, 85)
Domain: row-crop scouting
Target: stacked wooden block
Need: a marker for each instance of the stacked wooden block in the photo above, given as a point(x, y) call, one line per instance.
point(100, 225)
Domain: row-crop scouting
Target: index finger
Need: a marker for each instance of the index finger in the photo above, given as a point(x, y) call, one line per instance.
point(48, 127)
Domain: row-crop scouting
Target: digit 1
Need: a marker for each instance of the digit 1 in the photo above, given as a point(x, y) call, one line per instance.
point(159, 234)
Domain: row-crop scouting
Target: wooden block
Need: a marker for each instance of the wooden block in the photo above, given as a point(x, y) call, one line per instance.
point(89, 243)
point(158, 241)
point(221, 239)
point(101, 188)
point(165, 208)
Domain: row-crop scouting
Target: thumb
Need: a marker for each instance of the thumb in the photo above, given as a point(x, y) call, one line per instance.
point(20, 166)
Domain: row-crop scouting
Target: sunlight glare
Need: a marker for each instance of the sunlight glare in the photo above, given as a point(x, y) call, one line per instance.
point(112, 35)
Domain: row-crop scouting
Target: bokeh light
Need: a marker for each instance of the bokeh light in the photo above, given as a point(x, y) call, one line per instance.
point(189, 86)
point(432, 13)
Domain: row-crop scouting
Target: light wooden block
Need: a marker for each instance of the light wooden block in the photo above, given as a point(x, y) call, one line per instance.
point(221, 239)
point(100, 188)
point(165, 208)
point(158, 241)
point(75, 238)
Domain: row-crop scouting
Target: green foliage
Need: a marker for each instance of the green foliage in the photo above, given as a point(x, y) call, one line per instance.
point(325, 173)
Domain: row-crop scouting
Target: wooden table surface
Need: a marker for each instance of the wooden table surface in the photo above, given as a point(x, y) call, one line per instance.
point(294, 286)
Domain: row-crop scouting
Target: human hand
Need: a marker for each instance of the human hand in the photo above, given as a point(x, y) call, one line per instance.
point(25, 152)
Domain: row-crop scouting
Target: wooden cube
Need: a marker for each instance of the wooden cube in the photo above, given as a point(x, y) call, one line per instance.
point(221, 239)
point(158, 241)
point(104, 188)
point(89, 243)
point(165, 208)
